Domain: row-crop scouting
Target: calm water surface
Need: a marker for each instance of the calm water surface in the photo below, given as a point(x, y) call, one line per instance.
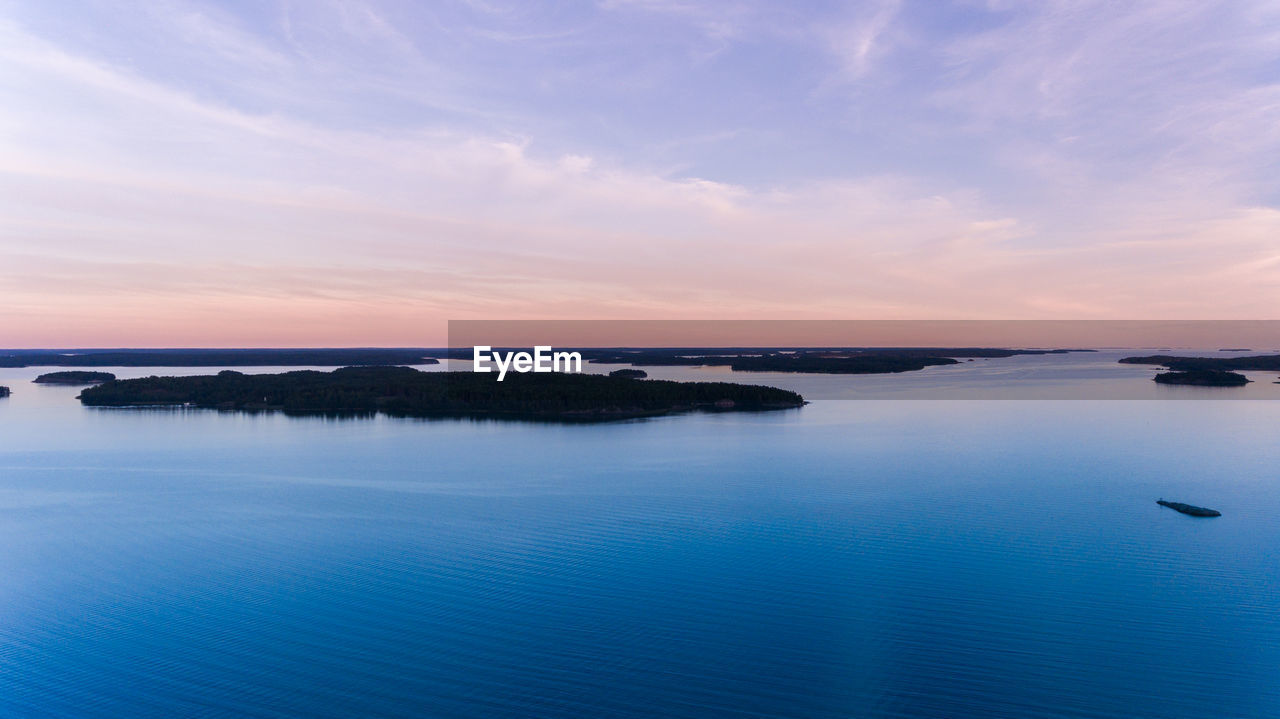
point(876, 558)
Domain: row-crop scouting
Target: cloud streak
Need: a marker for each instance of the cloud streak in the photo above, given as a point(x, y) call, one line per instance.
point(342, 173)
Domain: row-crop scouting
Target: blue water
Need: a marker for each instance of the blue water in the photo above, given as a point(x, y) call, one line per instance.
point(849, 559)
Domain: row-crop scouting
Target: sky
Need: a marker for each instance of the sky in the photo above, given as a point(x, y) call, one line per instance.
point(356, 173)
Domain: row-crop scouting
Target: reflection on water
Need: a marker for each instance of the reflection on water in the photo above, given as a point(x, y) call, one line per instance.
point(871, 559)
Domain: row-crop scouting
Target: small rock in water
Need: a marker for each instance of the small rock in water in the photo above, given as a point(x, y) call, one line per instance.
point(1190, 509)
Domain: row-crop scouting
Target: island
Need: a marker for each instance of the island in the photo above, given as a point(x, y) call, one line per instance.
point(4, 391)
point(404, 391)
point(1269, 363)
point(847, 360)
point(1190, 509)
point(1203, 378)
point(74, 377)
point(629, 373)
point(827, 360)
point(837, 364)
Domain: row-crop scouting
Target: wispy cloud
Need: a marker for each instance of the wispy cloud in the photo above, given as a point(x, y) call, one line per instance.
point(350, 172)
point(856, 43)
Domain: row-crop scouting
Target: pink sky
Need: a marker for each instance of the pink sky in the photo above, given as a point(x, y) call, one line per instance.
point(1201, 334)
point(359, 173)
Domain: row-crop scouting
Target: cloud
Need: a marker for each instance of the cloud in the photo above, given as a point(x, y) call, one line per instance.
point(1173, 91)
point(1052, 167)
point(856, 43)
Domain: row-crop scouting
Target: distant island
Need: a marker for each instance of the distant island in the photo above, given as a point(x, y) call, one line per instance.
point(1190, 509)
point(824, 360)
point(854, 364)
point(1207, 371)
point(629, 373)
point(404, 391)
point(74, 377)
point(867, 360)
point(216, 357)
point(1203, 378)
point(1269, 363)
point(1235, 349)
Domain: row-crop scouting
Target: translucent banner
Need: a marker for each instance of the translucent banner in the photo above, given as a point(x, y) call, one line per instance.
point(902, 359)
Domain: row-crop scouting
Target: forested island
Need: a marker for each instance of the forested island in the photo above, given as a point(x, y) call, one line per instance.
point(216, 357)
point(629, 373)
point(74, 377)
point(827, 360)
point(405, 391)
point(1203, 378)
point(4, 391)
point(867, 360)
point(1269, 363)
point(855, 364)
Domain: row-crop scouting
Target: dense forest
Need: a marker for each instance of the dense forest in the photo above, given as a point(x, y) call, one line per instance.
point(1203, 378)
point(1259, 362)
point(406, 391)
point(629, 373)
point(213, 357)
point(74, 377)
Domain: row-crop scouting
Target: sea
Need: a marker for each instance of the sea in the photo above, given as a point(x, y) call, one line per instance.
point(978, 540)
